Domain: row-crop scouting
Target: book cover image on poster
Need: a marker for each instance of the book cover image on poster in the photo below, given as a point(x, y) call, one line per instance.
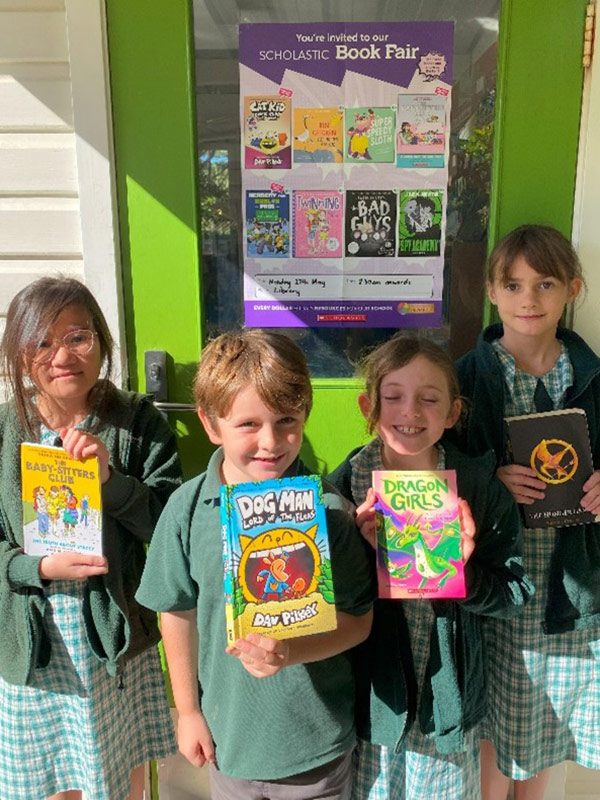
point(371, 222)
point(370, 134)
point(318, 135)
point(267, 224)
point(418, 535)
point(62, 507)
point(267, 132)
point(420, 222)
point(318, 223)
point(277, 567)
point(556, 445)
point(422, 125)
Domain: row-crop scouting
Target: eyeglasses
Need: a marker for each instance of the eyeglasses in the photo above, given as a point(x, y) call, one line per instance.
point(79, 342)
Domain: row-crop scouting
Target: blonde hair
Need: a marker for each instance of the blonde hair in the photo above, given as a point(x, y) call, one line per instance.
point(545, 249)
point(270, 362)
point(394, 354)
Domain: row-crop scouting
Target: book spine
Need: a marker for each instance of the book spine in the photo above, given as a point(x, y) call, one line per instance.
point(228, 584)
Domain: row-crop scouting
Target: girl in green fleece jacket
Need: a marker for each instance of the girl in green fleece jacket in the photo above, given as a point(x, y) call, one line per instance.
point(544, 668)
point(420, 675)
point(82, 704)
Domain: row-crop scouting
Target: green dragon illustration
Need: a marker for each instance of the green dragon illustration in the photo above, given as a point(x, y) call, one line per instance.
point(430, 563)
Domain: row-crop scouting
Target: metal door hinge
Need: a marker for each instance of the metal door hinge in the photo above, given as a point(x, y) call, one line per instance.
point(588, 34)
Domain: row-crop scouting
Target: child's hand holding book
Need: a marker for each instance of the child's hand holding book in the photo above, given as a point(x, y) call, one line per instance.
point(262, 656)
point(591, 499)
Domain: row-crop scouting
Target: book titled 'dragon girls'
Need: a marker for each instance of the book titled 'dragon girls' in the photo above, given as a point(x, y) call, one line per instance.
point(62, 508)
point(556, 445)
point(418, 535)
point(277, 568)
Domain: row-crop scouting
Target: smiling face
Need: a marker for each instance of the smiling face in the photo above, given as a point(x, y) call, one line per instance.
point(66, 378)
point(258, 443)
point(530, 304)
point(415, 410)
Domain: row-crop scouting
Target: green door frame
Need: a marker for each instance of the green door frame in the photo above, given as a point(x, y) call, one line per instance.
point(151, 52)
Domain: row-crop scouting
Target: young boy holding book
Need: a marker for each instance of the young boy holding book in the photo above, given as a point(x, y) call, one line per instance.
point(290, 736)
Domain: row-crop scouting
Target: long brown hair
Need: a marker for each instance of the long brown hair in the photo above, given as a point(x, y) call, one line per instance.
point(30, 316)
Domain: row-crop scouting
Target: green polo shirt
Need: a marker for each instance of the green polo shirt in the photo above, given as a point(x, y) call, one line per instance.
point(270, 728)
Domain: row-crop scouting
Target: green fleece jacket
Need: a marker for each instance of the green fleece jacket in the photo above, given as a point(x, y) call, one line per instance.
point(453, 697)
point(145, 470)
point(574, 576)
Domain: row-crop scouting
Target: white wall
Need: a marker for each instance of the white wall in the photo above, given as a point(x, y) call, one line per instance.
point(57, 205)
point(586, 228)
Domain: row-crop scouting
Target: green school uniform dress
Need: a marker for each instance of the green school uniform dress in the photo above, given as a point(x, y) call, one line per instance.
point(557, 677)
point(82, 700)
point(544, 666)
point(423, 663)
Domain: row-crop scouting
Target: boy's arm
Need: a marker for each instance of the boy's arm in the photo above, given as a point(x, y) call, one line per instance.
point(263, 656)
point(180, 639)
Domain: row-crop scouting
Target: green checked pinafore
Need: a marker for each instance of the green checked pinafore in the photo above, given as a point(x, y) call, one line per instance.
point(544, 690)
point(75, 726)
point(419, 771)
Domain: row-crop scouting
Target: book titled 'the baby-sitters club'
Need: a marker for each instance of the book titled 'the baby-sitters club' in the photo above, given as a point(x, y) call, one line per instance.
point(62, 502)
point(276, 560)
point(417, 525)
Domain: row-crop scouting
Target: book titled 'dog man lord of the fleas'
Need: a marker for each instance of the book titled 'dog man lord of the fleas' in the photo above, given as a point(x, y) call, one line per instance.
point(556, 445)
point(418, 534)
point(62, 509)
point(277, 568)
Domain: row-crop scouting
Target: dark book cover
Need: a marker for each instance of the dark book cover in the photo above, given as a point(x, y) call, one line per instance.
point(371, 222)
point(556, 445)
point(420, 222)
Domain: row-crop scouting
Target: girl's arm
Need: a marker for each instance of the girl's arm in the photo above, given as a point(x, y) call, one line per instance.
point(135, 498)
point(497, 585)
point(180, 639)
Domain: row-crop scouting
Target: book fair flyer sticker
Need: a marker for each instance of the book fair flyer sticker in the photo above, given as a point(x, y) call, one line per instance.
point(432, 65)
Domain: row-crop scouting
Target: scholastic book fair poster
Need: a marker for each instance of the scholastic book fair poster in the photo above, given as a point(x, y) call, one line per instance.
point(276, 559)
point(358, 112)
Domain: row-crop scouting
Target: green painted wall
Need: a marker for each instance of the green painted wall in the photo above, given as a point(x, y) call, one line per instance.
point(152, 83)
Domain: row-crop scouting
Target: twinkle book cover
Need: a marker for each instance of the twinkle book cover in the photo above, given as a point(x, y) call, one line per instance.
point(418, 535)
point(277, 567)
point(62, 508)
point(556, 445)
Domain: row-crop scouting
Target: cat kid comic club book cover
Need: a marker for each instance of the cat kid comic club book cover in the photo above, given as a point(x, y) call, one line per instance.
point(267, 130)
point(276, 561)
point(62, 506)
point(418, 535)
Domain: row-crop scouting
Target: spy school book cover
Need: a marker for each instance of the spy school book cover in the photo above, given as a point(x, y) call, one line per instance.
point(421, 138)
point(267, 224)
point(277, 567)
point(318, 135)
point(370, 134)
point(62, 507)
point(418, 535)
point(318, 223)
point(371, 222)
point(556, 445)
point(420, 222)
point(267, 131)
